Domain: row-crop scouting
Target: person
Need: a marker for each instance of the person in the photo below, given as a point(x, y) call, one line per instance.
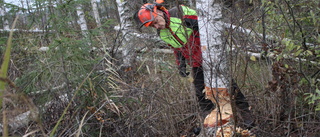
point(178, 27)
point(183, 37)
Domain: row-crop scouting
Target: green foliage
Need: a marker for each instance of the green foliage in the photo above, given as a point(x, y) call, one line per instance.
point(12, 8)
point(152, 94)
point(3, 41)
point(294, 26)
point(314, 98)
point(3, 75)
point(67, 58)
point(296, 20)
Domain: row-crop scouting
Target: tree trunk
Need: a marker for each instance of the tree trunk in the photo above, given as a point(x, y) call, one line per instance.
point(98, 21)
point(83, 24)
point(3, 16)
point(125, 27)
point(191, 3)
point(214, 65)
point(214, 56)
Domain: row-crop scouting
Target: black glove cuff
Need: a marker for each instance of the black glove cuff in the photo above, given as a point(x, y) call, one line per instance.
point(182, 72)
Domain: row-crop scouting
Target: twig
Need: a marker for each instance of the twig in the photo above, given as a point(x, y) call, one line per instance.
point(26, 135)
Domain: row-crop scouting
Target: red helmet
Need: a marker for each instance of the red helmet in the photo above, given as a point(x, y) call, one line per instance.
point(147, 13)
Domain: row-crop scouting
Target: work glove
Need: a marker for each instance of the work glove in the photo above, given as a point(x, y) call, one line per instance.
point(182, 65)
point(183, 71)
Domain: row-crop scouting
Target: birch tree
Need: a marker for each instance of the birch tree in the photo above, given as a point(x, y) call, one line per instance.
point(2, 15)
point(125, 28)
point(83, 23)
point(96, 12)
point(214, 61)
point(210, 25)
point(191, 3)
point(98, 21)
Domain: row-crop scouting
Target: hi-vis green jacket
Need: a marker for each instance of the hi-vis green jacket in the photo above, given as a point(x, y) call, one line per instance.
point(182, 22)
point(181, 33)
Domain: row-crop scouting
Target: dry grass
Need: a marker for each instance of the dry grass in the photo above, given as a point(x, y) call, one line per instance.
point(153, 100)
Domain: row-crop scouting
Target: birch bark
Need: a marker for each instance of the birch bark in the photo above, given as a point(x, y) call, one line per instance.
point(214, 57)
point(83, 24)
point(98, 21)
point(3, 16)
point(125, 27)
point(214, 64)
point(191, 3)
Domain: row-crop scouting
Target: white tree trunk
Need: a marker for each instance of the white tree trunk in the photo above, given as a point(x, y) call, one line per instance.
point(96, 12)
point(191, 3)
point(214, 65)
point(125, 28)
point(214, 57)
point(98, 21)
point(2, 15)
point(83, 24)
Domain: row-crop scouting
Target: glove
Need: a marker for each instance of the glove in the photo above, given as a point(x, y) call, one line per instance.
point(182, 72)
point(182, 66)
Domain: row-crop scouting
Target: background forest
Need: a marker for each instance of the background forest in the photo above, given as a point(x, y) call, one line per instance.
point(84, 68)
